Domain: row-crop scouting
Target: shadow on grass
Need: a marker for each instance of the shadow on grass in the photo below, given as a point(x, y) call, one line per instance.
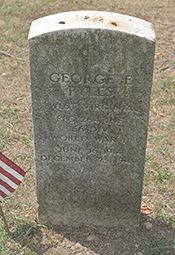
point(30, 235)
point(158, 239)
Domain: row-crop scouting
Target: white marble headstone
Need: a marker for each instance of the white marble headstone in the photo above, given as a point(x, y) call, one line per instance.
point(91, 76)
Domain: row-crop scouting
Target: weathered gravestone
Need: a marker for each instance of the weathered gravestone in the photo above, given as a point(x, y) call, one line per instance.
point(91, 75)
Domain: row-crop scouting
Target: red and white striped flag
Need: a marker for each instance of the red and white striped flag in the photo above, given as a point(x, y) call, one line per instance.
point(11, 176)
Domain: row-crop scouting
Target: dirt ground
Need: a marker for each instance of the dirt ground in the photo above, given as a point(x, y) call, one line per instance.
point(156, 233)
point(102, 241)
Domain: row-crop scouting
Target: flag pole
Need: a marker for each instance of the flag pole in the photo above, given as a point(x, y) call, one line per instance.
point(3, 218)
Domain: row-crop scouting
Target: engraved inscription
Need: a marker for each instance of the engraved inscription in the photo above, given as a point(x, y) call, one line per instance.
point(90, 107)
point(101, 107)
point(103, 131)
point(89, 129)
point(76, 78)
point(84, 129)
point(128, 79)
point(72, 119)
point(65, 159)
point(92, 91)
point(69, 138)
point(93, 159)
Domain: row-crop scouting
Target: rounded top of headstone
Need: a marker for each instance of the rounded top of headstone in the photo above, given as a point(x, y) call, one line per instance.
point(92, 20)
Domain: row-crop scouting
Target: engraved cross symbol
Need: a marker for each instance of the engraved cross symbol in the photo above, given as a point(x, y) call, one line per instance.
point(91, 55)
point(128, 83)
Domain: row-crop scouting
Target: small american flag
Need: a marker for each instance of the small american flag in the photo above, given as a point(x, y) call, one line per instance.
point(11, 176)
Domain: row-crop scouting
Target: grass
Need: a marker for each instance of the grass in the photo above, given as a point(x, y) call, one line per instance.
point(3, 141)
point(164, 214)
point(18, 241)
point(151, 162)
point(22, 155)
point(154, 137)
point(9, 110)
point(161, 175)
point(16, 134)
point(166, 86)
